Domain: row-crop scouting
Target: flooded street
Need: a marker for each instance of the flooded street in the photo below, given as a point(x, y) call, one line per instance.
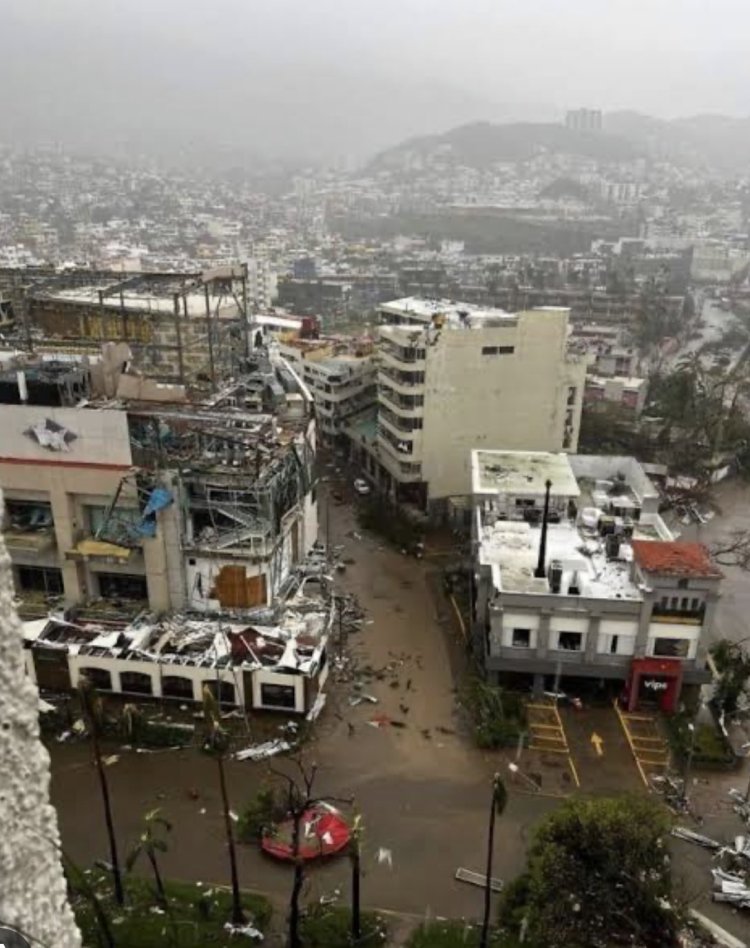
point(423, 792)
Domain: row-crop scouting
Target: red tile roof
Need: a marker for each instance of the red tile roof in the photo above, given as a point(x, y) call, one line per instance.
point(674, 558)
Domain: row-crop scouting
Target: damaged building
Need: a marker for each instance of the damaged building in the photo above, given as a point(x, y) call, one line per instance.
point(578, 580)
point(269, 659)
point(187, 328)
point(132, 493)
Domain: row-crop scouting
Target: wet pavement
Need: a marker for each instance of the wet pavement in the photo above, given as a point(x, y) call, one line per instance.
point(422, 789)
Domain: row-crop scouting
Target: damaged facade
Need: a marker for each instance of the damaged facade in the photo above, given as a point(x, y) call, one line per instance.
point(578, 577)
point(452, 377)
point(263, 659)
point(135, 494)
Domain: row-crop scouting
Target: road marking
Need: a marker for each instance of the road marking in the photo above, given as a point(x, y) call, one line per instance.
point(597, 742)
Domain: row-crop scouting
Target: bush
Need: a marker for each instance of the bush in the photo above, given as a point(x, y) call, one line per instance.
point(195, 917)
point(498, 716)
point(329, 926)
point(262, 812)
point(710, 748)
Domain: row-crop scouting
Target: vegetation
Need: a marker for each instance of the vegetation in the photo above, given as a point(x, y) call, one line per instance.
point(498, 716)
point(709, 746)
point(191, 918)
point(328, 926)
point(733, 687)
point(151, 842)
point(261, 813)
point(455, 934)
point(217, 745)
point(597, 875)
point(390, 522)
point(92, 709)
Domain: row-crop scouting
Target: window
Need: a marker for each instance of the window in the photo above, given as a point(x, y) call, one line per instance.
point(137, 683)
point(521, 638)
point(570, 641)
point(39, 579)
point(498, 350)
point(672, 648)
point(176, 686)
point(27, 515)
point(695, 604)
point(682, 583)
point(223, 691)
point(572, 395)
point(123, 517)
point(613, 644)
point(122, 586)
point(100, 678)
point(277, 696)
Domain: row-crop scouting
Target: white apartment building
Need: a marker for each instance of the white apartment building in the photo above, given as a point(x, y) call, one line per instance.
point(578, 579)
point(340, 378)
point(453, 378)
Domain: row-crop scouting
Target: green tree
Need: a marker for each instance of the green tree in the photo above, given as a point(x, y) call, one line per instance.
point(151, 842)
point(733, 664)
point(598, 875)
point(92, 709)
point(217, 745)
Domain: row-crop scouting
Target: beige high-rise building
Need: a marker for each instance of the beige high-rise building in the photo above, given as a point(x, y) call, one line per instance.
point(453, 378)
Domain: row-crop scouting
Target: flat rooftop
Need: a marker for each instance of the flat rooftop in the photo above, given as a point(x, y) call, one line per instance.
point(511, 548)
point(453, 313)
point(522, 472)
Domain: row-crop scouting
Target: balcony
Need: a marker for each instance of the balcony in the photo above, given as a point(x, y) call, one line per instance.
point(400, 357)
point(29, 527)
point(402, 404)
point(398, 446)
point(400, 380)
point(680, 616)
point(400, 426)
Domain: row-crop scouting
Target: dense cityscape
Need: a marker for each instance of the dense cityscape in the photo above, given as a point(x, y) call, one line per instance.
point(375, 540)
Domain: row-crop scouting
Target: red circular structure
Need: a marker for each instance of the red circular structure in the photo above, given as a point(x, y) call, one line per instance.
point(323, 832)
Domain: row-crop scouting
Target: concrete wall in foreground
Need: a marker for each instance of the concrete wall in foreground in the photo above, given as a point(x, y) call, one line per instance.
point(33, 896)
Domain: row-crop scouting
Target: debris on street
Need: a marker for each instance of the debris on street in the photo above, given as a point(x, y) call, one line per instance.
point(264, 750)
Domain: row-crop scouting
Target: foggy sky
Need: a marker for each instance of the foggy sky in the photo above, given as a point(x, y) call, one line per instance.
point(337, 77)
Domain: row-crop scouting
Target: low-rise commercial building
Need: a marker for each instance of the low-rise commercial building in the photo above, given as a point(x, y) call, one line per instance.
point(577, 578)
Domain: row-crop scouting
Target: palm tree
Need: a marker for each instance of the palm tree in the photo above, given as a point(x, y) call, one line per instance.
point(217, 745)
point(149, 844)
point(92, 708)
point(497, 806)
point(354, 857)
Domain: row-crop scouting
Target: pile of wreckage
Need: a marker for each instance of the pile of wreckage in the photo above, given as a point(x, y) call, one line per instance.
point(269, 658)
point(731, 874)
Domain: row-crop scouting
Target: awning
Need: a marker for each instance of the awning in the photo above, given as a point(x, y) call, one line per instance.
point(89, 547)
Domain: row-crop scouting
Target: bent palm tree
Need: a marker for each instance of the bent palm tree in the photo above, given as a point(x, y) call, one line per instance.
point(217, 745)
point(92, 707)
point(150, 842)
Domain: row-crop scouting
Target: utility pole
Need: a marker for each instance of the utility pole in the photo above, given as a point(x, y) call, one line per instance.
point(209, 331)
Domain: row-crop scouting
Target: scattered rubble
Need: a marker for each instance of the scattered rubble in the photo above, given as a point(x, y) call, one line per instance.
point(264, 750)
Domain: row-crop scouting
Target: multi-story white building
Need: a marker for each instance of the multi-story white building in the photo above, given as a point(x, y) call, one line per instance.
point(578, 577)
point(341, 379)
point(454, 377)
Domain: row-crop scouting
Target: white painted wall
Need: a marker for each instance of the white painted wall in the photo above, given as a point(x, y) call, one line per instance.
point(266, 676)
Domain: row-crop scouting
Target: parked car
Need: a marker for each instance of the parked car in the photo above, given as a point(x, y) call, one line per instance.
point(362, 487)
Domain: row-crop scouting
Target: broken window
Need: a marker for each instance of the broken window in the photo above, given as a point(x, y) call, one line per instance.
point(223, 691)
point(39, 579)
point(277, 696)
point(99, 678)
point(671, 648)
point(137, 683)
point(521, 638)
point(122, 586)
point(98, 517)
point(177, 686)
point(570, 641)
point(27, 516)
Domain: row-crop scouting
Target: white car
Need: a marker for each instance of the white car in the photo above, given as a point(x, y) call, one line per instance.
point(362, 487)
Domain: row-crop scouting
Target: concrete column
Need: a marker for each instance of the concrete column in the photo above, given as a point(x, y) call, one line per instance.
point(644, 621)
point(63, 514)
point(542, 635)
point(592, 639)
point(538, 687)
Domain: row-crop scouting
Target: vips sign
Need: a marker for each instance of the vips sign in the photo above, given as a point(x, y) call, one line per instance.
point(653, 684)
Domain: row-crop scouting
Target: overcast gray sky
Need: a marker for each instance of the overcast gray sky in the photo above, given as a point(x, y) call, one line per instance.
point(338, 76)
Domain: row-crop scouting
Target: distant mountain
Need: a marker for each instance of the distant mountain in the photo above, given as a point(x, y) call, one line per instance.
point(713, 141)
point(480, 144)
